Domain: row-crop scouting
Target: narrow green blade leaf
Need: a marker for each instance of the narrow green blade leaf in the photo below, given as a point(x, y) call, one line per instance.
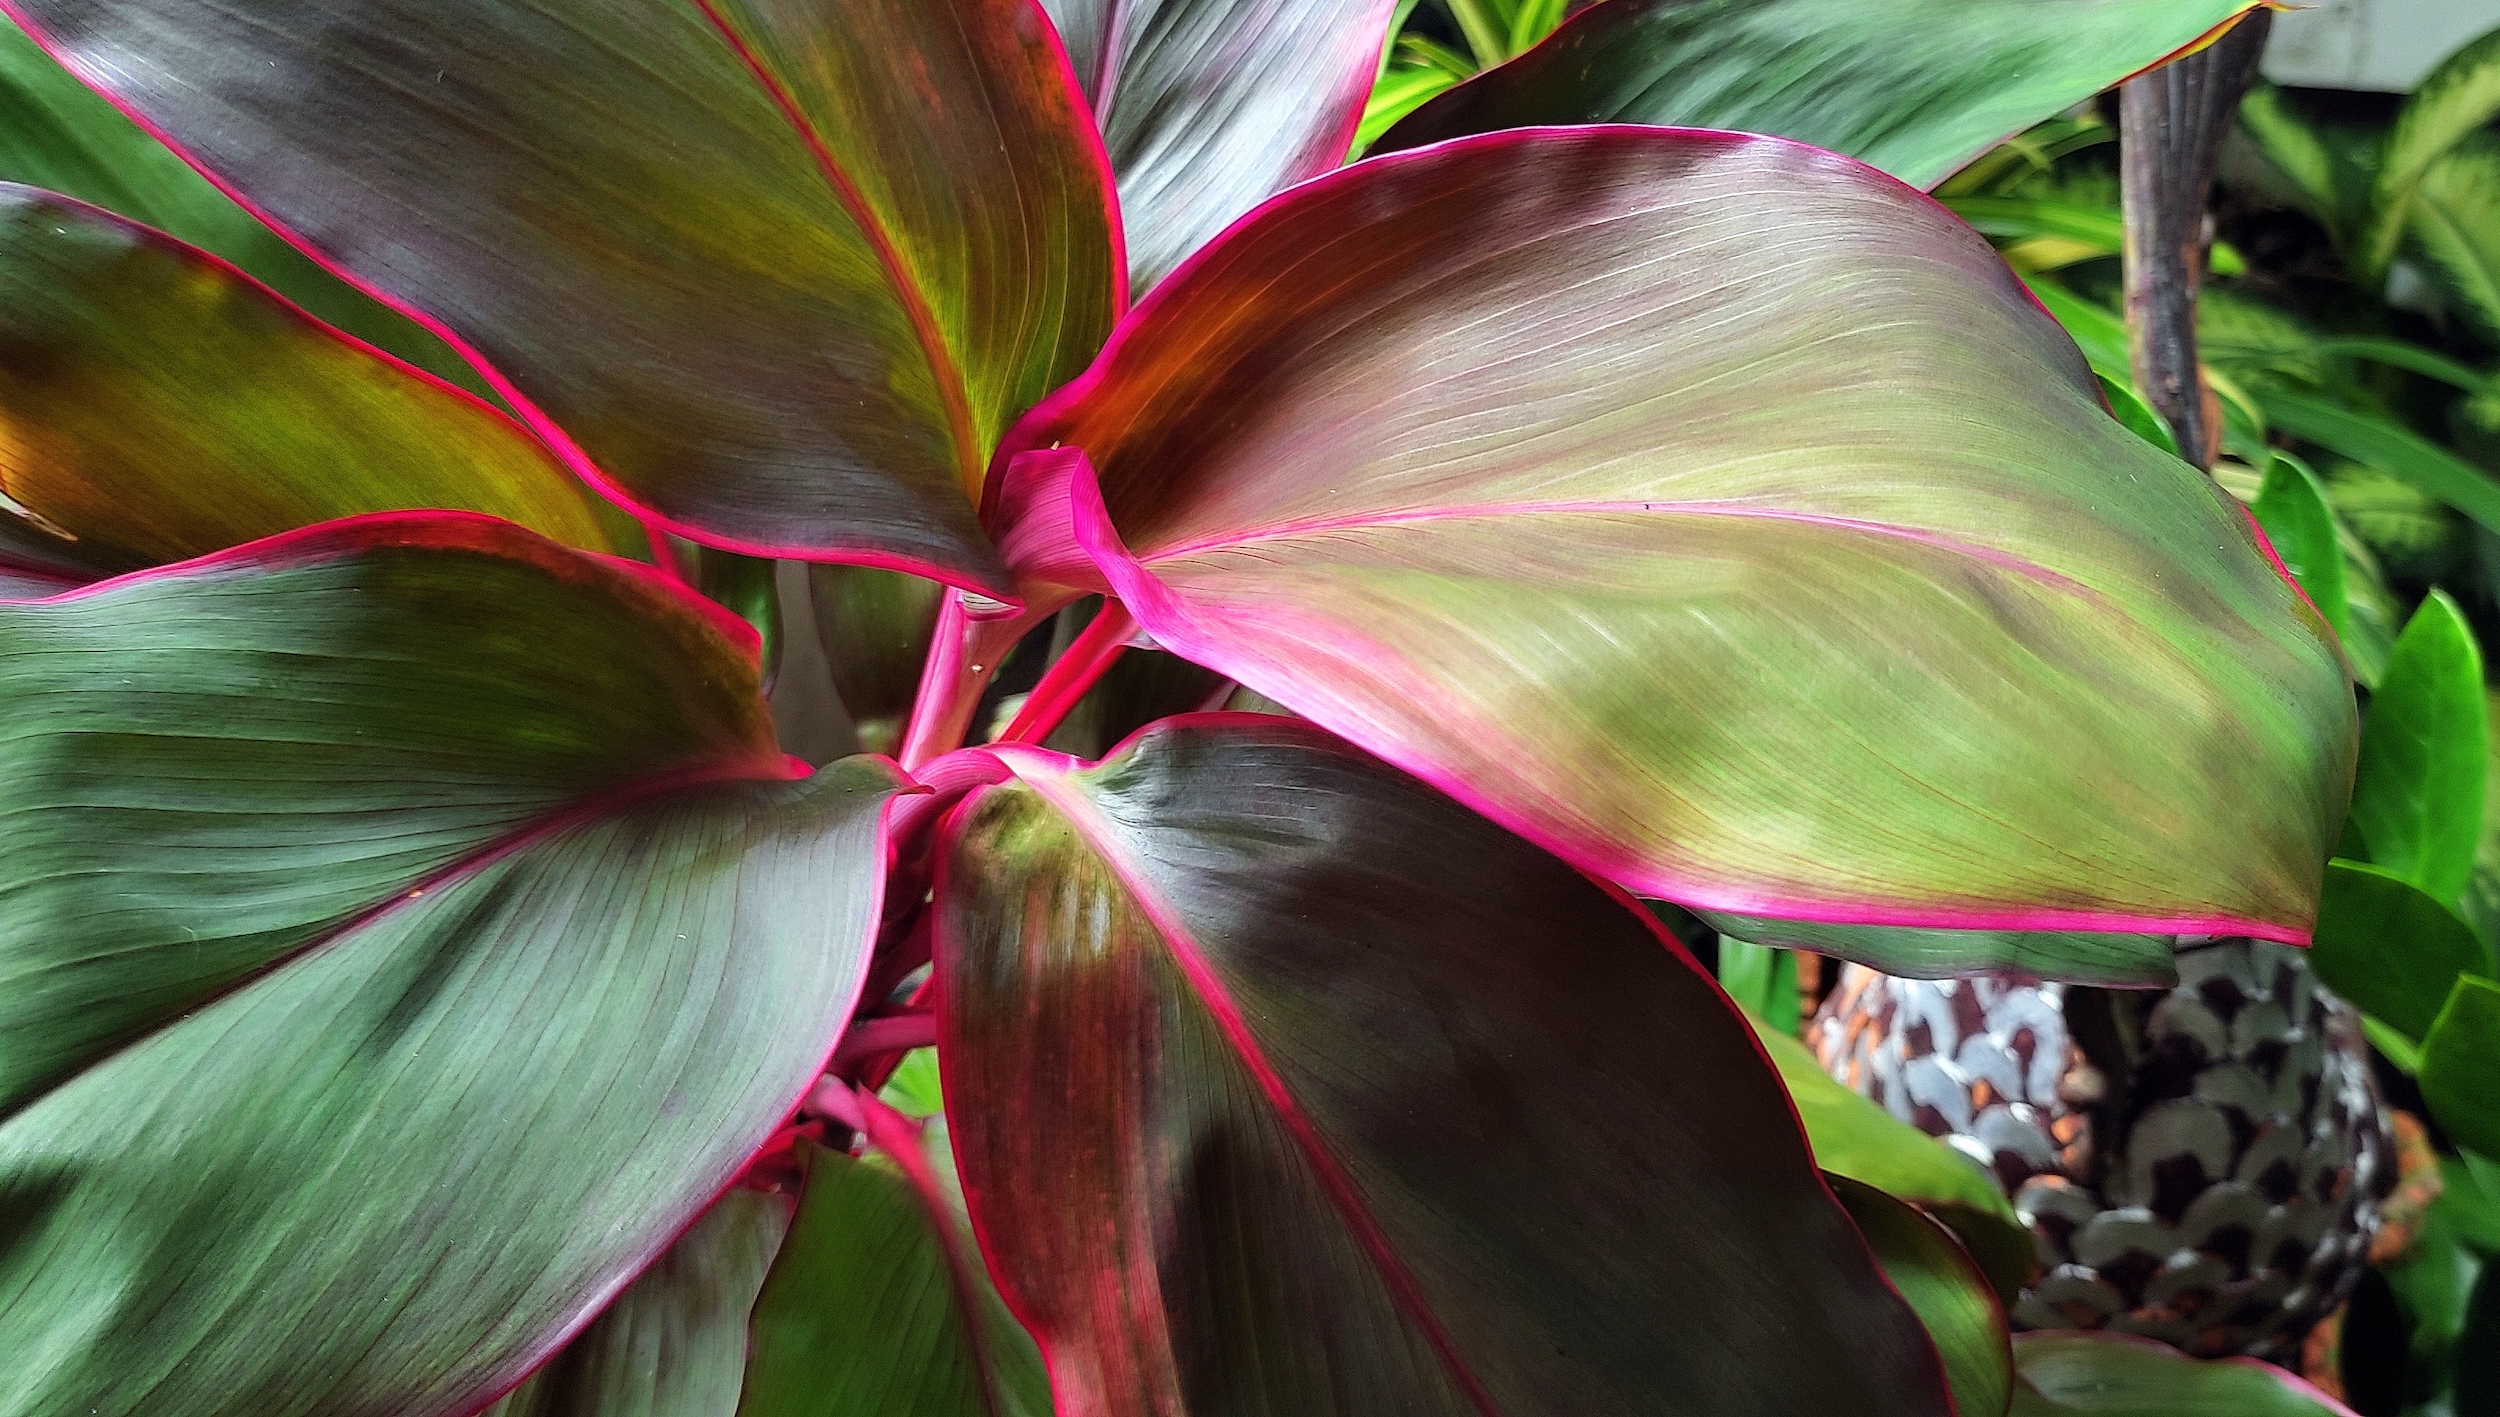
point(1945, 1286)
point(1282, 1083)
point(2458, 1058)
point(156, 405)
point(2452, 101)
point(2389, 949)
point(1209, 107)
point(1624, 453)
point(1915, 87)
point(865, 1314)
point(2455, 221)
point(2074, 1374)
point(2386, 445)
point(454, 980)
point(56, 134)
point(777, 274)
point(2418, 796)
point(674, 1344)
point(2292, 507)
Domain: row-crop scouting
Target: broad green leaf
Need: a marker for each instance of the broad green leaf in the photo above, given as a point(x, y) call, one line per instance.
point(1941, 1281)
point(57, 134)
point(1209, 107)
point(434, 903)
point(2066, 1373)
point(157, 406)
point(2433, 1284)
point(1762, 980)
point(2454, 100)
point(2388, 948)
point(2080, 956)
point(1284, 1084)
point(2129, 408)
point(2481, 904)
point(787, 315)
point(2417, 798)
point(2459, 1057)
point(913, 1089)
point(1915, 87)
point(1857, 1138)
point(2478, 1349)
point(2455, 222)
point(1400, 92)
point(2469, 1198)
point(865, 1313)
point(2291, 506)
point(1720, 515)
point(2388, 446)
point(674, 1344)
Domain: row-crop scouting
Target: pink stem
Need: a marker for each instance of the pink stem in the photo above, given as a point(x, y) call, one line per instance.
point(894, 1033)
point(964, 654)
point(1075, 672)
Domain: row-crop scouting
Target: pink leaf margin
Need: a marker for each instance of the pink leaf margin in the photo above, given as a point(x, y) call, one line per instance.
point(535, 419)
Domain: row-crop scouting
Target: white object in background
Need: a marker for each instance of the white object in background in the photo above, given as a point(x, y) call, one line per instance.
point(2380, 45)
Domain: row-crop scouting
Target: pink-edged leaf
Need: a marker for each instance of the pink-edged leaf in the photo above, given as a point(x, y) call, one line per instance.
point(411, 926)
point(778, 274)
point(1281, 1083)
point(1208, 107)
point(674, 1344)
point(2071, 1374)
point(156, 404)
point(1720, 514)
point(1915, 87)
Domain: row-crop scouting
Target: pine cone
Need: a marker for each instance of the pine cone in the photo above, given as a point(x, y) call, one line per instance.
point(2202, 1165)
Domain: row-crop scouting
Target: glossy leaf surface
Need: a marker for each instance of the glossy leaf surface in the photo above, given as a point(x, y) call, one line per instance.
point(2071, 1374)
point(1915, 87)
point(454, 980)
point(785, 316)
point(1209, 107)
point(2084, 957)
point(2456, 1072)
point(2292, 508)
point(1280, 1082)
point(866, 1312)
point(57, 134)
point(2418, 798)
point(1719, 514)
point(674, 1344)
point(2390, 949)
point(157, 406)
point(1945, 1286)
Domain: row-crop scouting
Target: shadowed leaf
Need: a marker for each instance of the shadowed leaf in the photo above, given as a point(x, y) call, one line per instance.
point(2072, 1374)
point(2418, 797)
point(1942, 1282)
point(1282, 1083)
point(1718, 514)
point(2388, 949)
point(2456, 1065)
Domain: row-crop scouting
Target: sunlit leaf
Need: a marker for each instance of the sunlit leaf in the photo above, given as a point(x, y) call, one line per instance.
point(457, 975)
point(1916, 87)
point(156, 406)
point(1762, 980)
point(1719, 514)
point(787, 314)
point(1208, 107)
point(1282, 1083)
point(2291, 506)
point(2418, 797)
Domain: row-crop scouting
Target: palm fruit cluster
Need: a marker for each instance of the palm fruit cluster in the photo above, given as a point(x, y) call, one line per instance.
point(2200, 1165)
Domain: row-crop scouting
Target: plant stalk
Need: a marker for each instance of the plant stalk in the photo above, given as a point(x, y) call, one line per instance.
point(1072, 674)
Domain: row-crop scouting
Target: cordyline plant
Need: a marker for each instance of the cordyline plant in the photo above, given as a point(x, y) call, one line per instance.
point(417, 946)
